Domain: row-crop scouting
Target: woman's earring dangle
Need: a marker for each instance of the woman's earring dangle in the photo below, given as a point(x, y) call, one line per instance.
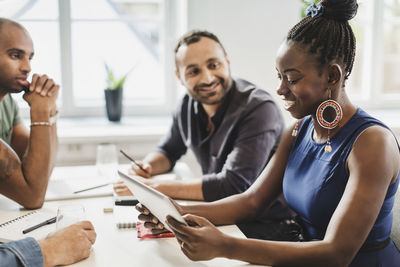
point(295, 129)
point(329, 124)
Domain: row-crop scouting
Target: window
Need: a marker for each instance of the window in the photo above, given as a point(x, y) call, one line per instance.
point(75, 38)
point(391, 46)
point(375, 82)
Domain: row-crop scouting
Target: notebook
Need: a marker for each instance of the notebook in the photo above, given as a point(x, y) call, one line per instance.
point(12, 227)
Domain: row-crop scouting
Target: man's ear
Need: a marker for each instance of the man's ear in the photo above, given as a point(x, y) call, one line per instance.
point(178, 75)
point(335, 74)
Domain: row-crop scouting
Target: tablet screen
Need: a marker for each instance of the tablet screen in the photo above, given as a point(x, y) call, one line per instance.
point(158, 203)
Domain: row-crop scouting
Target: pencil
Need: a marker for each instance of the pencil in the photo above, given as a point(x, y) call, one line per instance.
point(132, 160)
point(90, 188)
point(49, 221)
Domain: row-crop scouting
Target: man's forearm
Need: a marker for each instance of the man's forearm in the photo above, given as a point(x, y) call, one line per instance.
point(158, 161)
point(39, 159)
point(54, 146)
point(180, 189)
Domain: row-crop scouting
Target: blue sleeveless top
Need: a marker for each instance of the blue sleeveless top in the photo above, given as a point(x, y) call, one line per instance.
point(314, 180)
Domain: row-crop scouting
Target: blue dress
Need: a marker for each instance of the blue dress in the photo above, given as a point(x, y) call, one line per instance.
point(314, 182)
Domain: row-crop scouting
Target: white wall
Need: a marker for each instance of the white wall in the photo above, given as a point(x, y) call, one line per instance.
point(250, 30)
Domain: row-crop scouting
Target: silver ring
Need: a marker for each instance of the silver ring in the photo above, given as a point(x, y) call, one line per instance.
point(183, 243)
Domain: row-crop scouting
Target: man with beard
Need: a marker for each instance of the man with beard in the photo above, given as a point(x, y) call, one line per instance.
point(232, 127)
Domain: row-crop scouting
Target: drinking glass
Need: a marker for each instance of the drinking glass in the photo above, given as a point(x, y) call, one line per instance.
point(107, 160)
point(69, 214)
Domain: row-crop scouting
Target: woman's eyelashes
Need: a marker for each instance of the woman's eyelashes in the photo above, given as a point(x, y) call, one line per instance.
point(289, 81)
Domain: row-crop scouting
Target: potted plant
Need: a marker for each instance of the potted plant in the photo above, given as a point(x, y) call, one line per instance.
point(113, 94)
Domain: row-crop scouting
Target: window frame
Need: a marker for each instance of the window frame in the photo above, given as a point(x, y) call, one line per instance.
point(372, 95)
point(174, 24)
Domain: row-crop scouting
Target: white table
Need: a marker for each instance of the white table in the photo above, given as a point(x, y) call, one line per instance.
point(121, 247)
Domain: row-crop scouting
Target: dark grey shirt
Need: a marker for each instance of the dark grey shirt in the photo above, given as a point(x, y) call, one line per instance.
point(247, 128)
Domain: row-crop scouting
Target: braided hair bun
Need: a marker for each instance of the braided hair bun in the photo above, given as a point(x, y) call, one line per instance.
point(340, 10)
point(327, 33)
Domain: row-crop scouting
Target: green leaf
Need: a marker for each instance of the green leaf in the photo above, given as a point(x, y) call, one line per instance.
point(112, 82)
point(121, 82)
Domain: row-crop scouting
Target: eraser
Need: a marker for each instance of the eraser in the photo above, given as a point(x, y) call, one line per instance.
point(108, 210)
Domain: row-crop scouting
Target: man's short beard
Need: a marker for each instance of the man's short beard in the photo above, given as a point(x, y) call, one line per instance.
point(226, 86)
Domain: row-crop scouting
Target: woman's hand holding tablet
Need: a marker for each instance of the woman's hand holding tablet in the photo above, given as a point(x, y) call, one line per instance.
point(155, 202)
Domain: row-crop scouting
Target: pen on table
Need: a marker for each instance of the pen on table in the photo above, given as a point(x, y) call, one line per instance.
point(49, 221)
point(134, 161)
point(90, 188)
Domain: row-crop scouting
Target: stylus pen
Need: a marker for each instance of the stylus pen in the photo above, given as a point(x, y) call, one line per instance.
point(134, 162)
point(90, 188)
point(49, 221)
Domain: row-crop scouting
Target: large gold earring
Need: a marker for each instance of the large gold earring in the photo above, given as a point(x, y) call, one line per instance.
point(326, 124)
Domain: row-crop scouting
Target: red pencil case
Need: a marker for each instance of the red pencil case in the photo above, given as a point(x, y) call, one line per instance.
point(145, 233)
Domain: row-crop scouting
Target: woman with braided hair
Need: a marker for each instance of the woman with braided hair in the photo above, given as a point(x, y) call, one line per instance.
point(338, 167)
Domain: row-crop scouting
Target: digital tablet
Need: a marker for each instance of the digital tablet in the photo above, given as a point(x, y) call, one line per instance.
point(157, 203)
